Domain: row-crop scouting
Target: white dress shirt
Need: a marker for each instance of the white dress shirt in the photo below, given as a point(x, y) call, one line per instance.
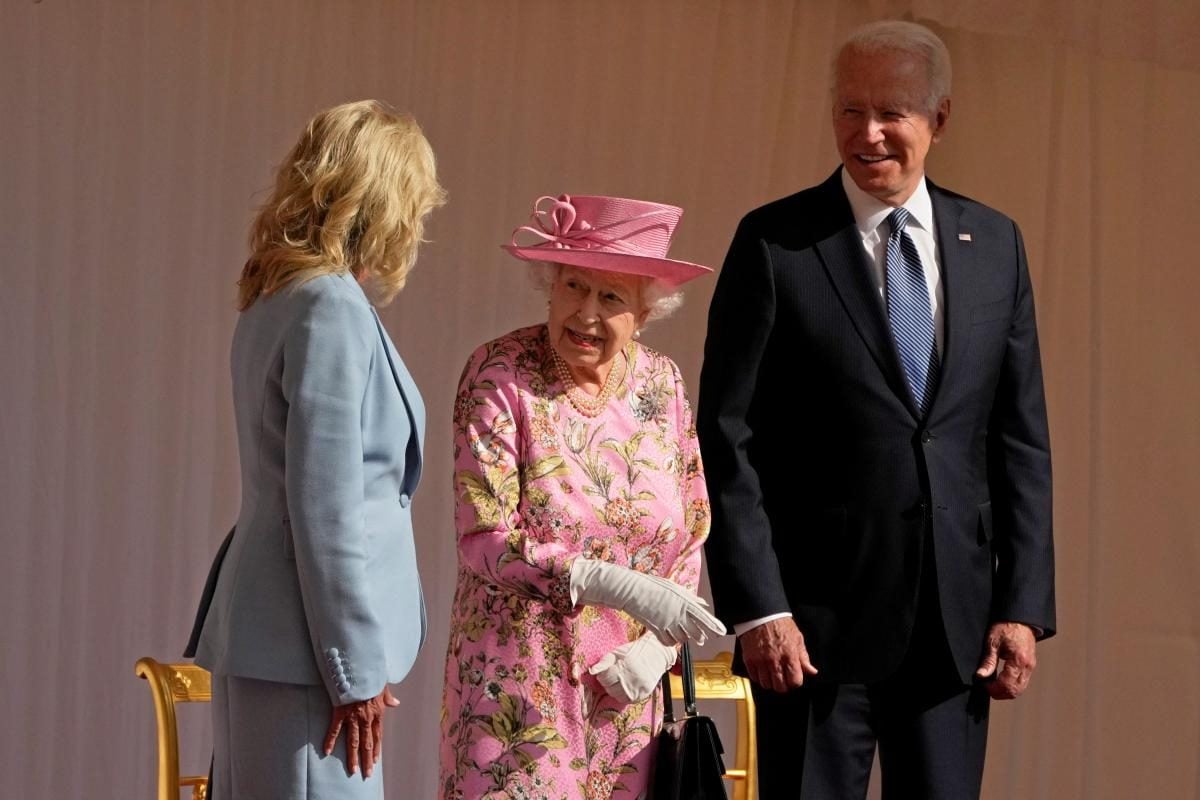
point(870, 217)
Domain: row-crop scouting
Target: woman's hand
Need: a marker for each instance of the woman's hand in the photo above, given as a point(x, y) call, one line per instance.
point(363, 722)
point(673, 613)
point(631, 672)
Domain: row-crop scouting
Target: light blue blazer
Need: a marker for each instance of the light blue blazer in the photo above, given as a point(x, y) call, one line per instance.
point(320, 584)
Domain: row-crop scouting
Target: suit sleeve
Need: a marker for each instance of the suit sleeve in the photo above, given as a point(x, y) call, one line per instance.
point(327, 357)
point(742, 567)
point(493, 542)
point(1019, 473)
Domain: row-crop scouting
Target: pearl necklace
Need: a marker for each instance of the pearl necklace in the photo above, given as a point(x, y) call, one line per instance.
point(583, 402)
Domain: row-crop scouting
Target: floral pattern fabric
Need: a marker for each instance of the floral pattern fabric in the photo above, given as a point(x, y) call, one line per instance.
point(538, 484)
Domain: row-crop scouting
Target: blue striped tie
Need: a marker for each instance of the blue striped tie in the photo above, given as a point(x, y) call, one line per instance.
point(909, 313)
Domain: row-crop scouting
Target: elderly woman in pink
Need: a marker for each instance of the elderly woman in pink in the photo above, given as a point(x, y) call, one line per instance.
point(581, 509)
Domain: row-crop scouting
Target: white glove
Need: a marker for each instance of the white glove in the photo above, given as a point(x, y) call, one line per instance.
point(667, 609)
point(630, 672)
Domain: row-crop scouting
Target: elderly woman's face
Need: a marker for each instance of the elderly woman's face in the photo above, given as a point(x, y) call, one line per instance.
point(593, 315)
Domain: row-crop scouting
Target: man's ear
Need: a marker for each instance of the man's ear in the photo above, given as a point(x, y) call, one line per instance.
point(940, 118)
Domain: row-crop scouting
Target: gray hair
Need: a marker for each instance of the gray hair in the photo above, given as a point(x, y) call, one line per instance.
point(659, 299)
point(911, 39)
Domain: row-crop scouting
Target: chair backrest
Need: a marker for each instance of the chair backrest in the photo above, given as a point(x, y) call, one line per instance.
point(715, 681)
point(171, 684)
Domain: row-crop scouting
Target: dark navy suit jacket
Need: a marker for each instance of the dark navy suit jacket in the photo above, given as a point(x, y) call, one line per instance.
point(826, 482)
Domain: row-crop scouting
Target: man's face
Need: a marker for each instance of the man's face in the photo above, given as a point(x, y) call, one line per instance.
point(881, 124)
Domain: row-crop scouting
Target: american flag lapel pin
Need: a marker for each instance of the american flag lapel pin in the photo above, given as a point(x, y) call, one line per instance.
point(964, 237)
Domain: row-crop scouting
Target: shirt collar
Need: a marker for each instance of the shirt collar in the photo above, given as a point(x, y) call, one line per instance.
point(870, 212)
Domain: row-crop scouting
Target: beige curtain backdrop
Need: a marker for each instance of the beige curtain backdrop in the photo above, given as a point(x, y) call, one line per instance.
point(136, 138)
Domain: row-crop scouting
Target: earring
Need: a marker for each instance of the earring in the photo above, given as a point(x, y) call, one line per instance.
point(637, 334)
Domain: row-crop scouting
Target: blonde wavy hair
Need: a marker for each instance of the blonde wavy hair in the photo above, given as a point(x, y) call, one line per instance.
point(352, 195)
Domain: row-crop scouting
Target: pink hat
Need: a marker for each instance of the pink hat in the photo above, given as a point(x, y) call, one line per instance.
point(606, 233)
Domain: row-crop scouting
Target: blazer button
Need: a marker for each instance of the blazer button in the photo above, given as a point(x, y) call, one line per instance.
point(926, 437)
point(404, 500)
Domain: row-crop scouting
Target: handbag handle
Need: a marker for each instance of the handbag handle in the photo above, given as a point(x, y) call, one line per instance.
point(668, 708)
point(689, 682)
point(689, 687)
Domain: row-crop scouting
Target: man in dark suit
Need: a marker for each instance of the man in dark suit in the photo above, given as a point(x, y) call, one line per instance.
point(873, 427)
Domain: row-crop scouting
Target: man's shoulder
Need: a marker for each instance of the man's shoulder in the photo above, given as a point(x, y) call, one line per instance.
point(795, 206)
point(800, 219)
point(970, 206)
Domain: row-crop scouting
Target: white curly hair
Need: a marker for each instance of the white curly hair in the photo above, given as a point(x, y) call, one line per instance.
point(659, 299)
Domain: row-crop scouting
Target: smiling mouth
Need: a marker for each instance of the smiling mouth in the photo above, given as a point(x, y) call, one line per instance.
point(583, 340)
point(870, 159)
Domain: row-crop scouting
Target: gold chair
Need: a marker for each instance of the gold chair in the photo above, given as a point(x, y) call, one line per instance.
point(715, 681)
point(171, 684)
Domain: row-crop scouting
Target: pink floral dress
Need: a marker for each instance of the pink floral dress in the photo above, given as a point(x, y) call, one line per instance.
point(537, 484)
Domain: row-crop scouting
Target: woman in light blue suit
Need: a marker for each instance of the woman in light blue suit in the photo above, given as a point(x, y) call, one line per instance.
point(317, 603)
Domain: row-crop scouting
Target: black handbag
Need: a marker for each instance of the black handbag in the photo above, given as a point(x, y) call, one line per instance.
point(688, 765)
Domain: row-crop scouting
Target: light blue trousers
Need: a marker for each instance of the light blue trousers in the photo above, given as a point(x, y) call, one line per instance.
point(268, 745)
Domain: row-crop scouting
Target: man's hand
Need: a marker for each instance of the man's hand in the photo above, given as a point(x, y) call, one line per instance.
point(363, 722)
point(775, 655)
point(1014, 644)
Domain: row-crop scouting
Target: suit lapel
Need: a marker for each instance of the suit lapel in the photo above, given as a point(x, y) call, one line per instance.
point(849, 271)
point(957, 258)
point(412, 403)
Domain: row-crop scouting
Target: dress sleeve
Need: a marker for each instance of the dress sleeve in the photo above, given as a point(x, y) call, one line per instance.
point(489, 476)
point(694, 491)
